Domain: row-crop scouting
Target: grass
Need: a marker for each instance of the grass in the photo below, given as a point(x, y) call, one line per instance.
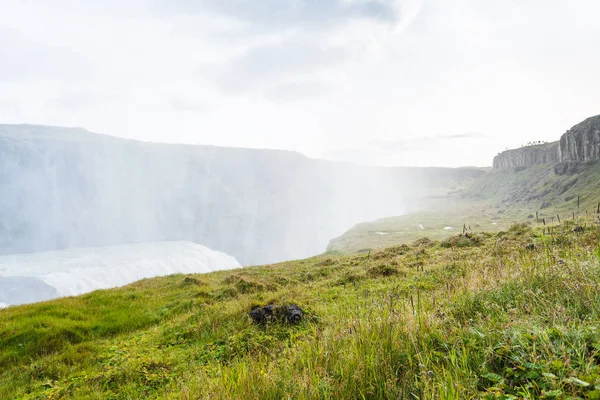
point(507, 315)
point(491, 203)
point(436, 225)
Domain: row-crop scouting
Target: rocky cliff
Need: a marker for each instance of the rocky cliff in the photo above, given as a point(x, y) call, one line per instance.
point(62, 188)
point(527, 156)
point(581, 143)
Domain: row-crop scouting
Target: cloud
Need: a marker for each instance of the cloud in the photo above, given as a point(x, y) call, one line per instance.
point(26, 59)
point(398, 150)
point(187, 104)
point(375, 81)
point(222, 48)
point(418, 142)
point(10, 107)
point(296, 91)
point(77, 101)
point(282, 42)
point(278, 14)
point(263, 65)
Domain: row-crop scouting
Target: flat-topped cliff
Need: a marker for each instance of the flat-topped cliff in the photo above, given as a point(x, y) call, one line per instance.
point(528, 156)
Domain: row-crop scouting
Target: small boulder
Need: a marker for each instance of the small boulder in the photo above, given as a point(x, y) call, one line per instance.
point(291, 314)
point(530, 247)
point(578, 229)
point(261, 315)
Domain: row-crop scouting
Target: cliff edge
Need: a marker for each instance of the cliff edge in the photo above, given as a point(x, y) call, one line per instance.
point(579, 144)
point(528, 156)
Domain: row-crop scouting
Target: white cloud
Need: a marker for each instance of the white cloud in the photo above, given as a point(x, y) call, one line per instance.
point(321, 77)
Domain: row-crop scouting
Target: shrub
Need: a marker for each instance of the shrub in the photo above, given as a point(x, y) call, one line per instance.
point(466, 240)
point(423, 242)
point(519, 229)
point(382, 270)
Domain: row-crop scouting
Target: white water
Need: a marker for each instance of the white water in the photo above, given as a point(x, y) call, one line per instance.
point(78, 271)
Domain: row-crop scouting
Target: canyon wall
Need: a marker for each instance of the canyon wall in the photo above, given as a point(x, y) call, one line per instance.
point(64, 188)
point(527, 156)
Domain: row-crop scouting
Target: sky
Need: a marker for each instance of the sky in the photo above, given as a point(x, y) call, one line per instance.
point(375, 82)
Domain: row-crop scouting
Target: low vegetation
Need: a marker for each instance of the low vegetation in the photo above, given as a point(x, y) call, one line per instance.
point(504, 315)
point(491, 203)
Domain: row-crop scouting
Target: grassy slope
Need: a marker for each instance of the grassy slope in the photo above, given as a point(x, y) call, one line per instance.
point(470, 317)
point(492, 203)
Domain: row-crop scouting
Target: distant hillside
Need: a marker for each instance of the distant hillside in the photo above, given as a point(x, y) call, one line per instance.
point(66, 187)
point(540, 187)
point(534, 179)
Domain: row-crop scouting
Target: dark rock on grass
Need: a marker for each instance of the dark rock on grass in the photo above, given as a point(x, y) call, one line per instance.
point(530, 247)
point(578, 229)
point(545, 204)
point(290, 314)
point(261, 315)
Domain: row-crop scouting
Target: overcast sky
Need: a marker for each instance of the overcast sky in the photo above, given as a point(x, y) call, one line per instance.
point(385, 82)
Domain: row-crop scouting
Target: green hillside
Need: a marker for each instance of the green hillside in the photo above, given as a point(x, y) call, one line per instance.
point(491, 203)
point(506, 315)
